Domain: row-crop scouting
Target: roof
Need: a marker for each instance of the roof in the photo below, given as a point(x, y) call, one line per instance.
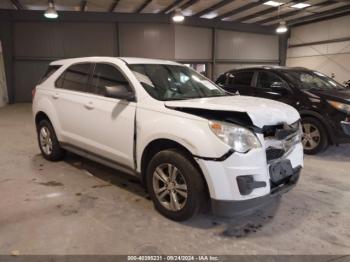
point(240, 11)
point(128, 60)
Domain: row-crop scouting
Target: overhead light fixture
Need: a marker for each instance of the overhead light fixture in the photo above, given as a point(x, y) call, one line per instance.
point(300, 5)
point(282, 28)
point(273, 3)
point(51, 12)
point(178, 17)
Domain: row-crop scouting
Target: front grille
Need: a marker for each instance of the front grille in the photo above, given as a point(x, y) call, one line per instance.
point(279, 139)
point(281, 131)
point(274, 153)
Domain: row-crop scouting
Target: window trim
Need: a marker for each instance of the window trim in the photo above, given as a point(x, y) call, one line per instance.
point(121, 71)
point(287, 85)
point(64, 75)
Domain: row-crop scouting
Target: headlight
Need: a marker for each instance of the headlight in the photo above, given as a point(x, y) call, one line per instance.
point(238, 138)
point(340, 106)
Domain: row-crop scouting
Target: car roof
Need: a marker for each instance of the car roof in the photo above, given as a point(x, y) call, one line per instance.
point(128, 60)
point(272, 68)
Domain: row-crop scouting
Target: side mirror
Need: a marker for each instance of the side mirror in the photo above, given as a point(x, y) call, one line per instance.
point(122, 92)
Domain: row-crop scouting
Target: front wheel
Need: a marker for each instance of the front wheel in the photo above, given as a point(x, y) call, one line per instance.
point(315, 138)
point(175, 185)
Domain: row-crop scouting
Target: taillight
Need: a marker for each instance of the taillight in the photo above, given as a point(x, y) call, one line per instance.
point(33, 92)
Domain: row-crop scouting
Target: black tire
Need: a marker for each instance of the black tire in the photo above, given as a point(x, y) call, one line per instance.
point(196, 189)
point(57, 153)
point(322, 142)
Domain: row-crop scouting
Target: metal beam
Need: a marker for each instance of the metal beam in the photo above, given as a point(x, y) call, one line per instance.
point(337, 40)
point(241, 9)
point(17, 4)
point(168, 8)
point(83, 5)
point(143, 6)
point(264, 12)
point(336, 11)
point(213, 7)
point(188, 4)
point(113, 6)
point(295, 12)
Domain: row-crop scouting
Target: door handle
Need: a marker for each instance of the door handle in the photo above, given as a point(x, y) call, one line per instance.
point(89, 106)
point(55, 96)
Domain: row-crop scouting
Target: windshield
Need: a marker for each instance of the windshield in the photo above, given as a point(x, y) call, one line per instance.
point(314, 80)
point(172, 82)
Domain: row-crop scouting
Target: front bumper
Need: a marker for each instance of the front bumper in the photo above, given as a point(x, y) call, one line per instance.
point(231, 208)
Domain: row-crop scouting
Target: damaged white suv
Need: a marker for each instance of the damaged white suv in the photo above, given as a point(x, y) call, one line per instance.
point(189, 142)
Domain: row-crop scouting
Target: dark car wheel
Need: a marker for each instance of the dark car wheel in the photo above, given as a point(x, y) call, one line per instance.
point(48, 143)
point(315, 138)
point(175, 185)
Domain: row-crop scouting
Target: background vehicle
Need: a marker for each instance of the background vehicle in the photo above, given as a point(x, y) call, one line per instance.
point(323, 104)
point(180, 133)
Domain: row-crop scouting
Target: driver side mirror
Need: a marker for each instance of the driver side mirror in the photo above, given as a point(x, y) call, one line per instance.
point(122, 91)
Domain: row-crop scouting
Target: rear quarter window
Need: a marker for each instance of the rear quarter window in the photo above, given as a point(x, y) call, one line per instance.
point(50, 70)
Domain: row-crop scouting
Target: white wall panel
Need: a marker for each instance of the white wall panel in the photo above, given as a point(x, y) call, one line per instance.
point(237, 45)
point(321, 31)
point(329, 58)
point(193, 43)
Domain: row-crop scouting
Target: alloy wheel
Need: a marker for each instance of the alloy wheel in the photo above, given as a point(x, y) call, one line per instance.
point(45, 140)
point(170, 187)
point(311, 136)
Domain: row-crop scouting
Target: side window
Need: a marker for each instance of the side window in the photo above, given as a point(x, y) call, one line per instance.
point(75, 78)
point(243, 78)
point(106, 75)
point(270, 80)
point(222, 80)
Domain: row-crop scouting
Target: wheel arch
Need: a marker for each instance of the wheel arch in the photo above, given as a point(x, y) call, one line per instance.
point(161, 144)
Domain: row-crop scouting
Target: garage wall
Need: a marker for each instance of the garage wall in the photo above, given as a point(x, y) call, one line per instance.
point(32, 45)
point(237, 50)
point(322, 46)
point(37, 44)
point(157, 40)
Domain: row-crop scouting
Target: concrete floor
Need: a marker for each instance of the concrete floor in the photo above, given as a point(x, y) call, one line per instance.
point(79, 207)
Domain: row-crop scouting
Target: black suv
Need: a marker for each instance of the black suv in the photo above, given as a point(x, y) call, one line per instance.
point(323, 104)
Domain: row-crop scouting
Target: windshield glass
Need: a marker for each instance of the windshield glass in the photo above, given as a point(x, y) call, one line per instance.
point(172, 82)
point(314, 80)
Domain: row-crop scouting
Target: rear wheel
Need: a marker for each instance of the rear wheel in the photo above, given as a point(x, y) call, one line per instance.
point(48, 143)
point(175, 185)
point(315, 138)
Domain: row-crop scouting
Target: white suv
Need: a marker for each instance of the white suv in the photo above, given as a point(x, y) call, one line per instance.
point(181, 134)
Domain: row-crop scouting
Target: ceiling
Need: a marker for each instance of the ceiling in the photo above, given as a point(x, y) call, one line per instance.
point(242, 11)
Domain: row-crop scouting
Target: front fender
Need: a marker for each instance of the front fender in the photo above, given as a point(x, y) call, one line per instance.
point(194, 135)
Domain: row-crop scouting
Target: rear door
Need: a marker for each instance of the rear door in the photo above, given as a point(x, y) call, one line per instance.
point(270, 85)
point(71, 98)
point(239, 82)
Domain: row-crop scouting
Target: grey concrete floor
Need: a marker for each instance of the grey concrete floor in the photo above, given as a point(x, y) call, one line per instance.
point(79, 207)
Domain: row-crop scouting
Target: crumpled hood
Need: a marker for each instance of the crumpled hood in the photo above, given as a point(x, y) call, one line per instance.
point(261, 111)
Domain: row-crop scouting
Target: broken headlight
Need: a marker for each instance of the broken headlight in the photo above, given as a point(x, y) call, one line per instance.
point(238, 138)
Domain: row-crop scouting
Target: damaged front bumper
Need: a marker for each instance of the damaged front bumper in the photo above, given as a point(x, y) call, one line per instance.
point(232, 208)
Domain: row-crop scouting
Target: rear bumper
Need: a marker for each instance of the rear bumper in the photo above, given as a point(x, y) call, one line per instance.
point(232, 208)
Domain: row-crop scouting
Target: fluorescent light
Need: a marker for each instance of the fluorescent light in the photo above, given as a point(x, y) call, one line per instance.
point(273, 3)
point(282, 28)
point(51, 12)
point(300, 5)
point(178, 17)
